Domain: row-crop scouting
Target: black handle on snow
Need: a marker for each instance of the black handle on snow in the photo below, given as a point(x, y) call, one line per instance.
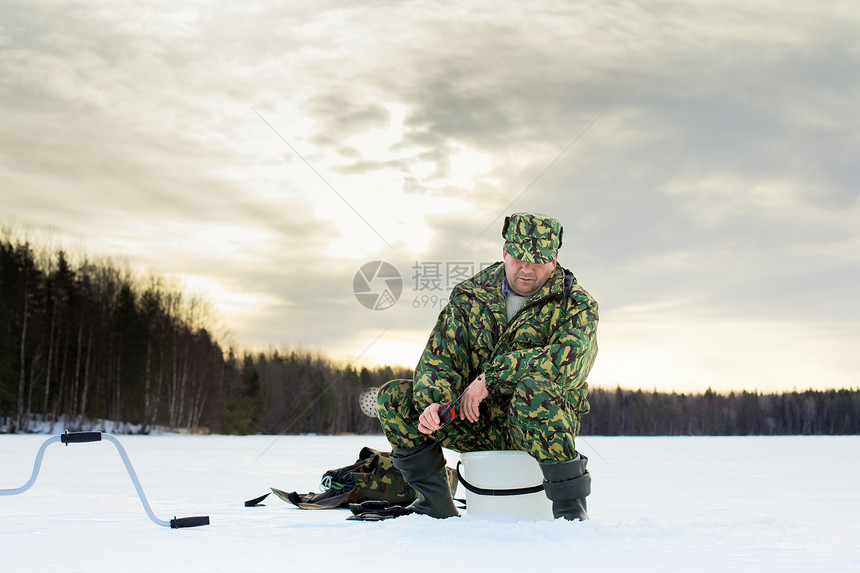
point(256, 502)
point(179, 522)
point(80, 437)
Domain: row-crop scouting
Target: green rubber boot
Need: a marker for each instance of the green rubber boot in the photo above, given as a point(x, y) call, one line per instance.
point(424, 468)
point(567, 484)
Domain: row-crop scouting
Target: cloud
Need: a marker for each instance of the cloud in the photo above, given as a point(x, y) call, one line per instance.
point(268, 150)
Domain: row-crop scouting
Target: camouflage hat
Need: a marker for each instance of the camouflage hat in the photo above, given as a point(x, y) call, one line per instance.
point(532, 237)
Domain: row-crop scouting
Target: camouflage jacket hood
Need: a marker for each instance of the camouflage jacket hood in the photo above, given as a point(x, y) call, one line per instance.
point(554, 335)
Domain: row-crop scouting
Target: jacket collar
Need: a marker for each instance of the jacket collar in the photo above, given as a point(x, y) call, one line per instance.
point(487, 285)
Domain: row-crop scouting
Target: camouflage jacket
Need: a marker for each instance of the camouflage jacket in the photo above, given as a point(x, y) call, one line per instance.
point(554, 335)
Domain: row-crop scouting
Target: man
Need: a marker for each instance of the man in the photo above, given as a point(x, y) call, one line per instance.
point(518, 341)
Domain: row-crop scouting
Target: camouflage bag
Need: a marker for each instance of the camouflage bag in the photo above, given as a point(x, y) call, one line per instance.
point(372, 477)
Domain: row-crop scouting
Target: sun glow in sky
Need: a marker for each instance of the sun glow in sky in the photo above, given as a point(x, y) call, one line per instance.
point(702, 158)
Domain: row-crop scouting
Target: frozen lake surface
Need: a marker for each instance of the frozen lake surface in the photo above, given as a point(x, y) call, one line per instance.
point(658, 504)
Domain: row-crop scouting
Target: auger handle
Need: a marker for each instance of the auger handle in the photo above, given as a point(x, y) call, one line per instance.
point(179, 522)
point(80, 437)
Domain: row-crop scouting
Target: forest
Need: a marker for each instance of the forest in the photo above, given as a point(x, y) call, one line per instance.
point(90, 340)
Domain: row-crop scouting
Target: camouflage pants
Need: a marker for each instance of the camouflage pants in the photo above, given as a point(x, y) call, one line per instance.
point(535, 417)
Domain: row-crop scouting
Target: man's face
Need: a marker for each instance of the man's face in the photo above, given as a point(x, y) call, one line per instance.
point(524, 278)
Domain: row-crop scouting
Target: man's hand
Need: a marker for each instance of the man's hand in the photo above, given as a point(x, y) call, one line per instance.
point(428, 421)
point(470, 401)
point(472, 398)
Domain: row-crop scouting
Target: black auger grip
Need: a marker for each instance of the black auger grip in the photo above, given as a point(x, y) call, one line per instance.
point(80, 437)
point(179, 522)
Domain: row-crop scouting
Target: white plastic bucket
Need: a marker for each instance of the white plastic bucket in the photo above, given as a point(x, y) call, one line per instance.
point(503, 471)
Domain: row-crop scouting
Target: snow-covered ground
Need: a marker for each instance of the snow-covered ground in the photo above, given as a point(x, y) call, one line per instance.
point(658, 504)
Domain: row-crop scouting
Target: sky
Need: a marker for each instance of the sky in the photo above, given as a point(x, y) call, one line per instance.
point(275, 156)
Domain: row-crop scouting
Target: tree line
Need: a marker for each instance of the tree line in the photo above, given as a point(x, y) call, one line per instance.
point(622, 412)
point(93, 340)
point(90, 340)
